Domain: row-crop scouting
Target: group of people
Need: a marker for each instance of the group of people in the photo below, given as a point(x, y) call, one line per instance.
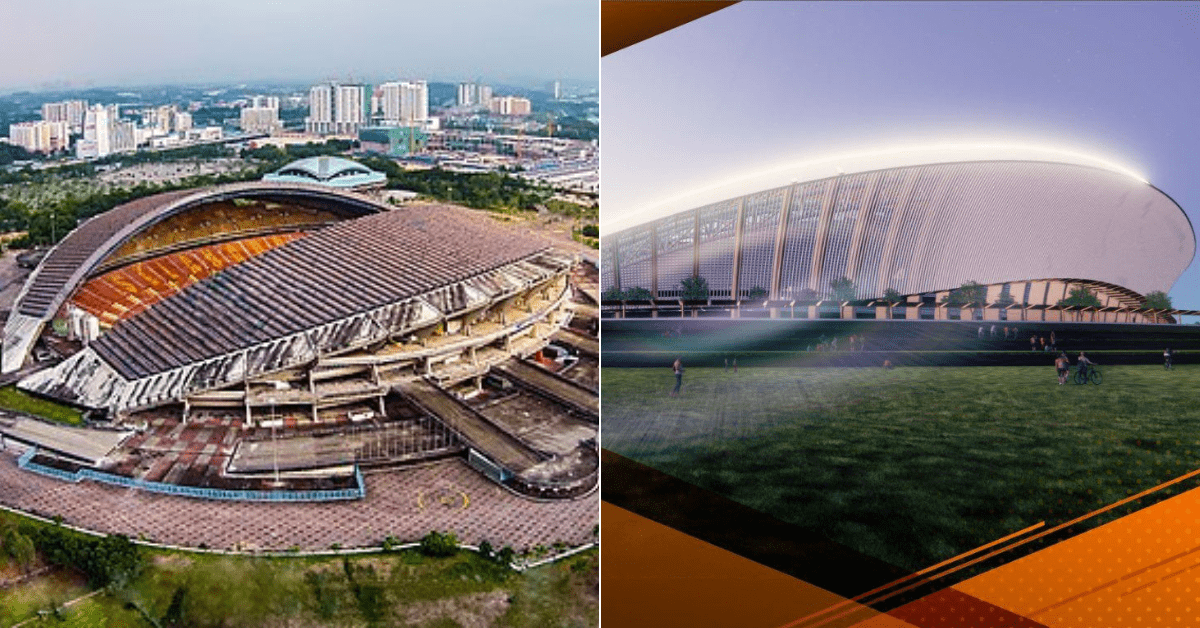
point(1038, 343)
point(853, 343)
point(1063, 365)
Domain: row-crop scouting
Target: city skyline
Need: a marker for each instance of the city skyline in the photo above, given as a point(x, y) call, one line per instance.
point(199, 43)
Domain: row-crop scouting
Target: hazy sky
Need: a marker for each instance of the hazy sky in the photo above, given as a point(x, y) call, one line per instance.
point(760, 83)
point(130, 42)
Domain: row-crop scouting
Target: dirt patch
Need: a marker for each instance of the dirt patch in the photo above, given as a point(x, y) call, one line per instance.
point(172, 561)
point(478, 610)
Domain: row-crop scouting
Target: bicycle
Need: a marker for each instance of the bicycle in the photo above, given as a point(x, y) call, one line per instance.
point(1092, 374)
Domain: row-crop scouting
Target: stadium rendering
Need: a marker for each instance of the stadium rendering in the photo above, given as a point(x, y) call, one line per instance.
point(1030, 230)
point(282, 304)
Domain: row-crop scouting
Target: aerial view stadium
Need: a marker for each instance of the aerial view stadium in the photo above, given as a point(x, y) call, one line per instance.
point(296, 342)
point(913, 333)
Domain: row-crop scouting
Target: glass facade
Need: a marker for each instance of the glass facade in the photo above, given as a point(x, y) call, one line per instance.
point(917, 229)
point(760, 227)
point(718, 226)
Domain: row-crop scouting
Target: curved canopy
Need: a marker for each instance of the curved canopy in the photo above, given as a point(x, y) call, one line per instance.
point(83, 250)
point(328, 170)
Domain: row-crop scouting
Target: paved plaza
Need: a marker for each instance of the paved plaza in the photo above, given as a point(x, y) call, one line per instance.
point(406, 504)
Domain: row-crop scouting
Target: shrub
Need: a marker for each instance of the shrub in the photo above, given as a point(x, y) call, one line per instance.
point(439, 545)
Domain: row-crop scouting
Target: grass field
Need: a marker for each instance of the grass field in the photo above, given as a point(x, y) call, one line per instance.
point(401, 589)
point(13, 399)
point(910, 465)
point(404, 589)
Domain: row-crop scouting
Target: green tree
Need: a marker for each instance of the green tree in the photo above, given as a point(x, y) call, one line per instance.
point(757, 292)
point(843, 289)
point(892, 295)
point(439, 544)
point(20, 548)
point(13, 216)
point(612, 294)
point(1006, 298)
point(966, 294)
point(1157, 300)
point(636, 293)
point(694, 288)
point(1080, 297)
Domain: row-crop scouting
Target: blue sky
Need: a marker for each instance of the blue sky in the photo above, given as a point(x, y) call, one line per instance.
point(762, 82)
point(137, 42)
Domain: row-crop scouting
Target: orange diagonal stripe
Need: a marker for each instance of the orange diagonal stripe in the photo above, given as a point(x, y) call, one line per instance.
point(1084, 517)
point(916, 574)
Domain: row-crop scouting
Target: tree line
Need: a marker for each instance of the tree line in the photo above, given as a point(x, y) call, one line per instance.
point(842, 290)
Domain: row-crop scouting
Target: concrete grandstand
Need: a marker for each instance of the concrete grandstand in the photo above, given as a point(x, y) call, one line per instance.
point(314, 310)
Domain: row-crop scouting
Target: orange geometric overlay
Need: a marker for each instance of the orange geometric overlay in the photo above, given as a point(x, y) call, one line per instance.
point(124, 292)
point(653, 575)
point(1140, 570)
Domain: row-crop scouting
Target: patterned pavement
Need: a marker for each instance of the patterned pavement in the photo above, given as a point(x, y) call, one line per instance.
point(406, 504)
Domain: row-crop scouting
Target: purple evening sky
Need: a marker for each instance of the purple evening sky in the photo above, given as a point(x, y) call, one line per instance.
point(765, 82)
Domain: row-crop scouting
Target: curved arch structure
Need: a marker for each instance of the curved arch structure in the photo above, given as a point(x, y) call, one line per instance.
point(330, 171)
point(86, 248)
point(914, 229)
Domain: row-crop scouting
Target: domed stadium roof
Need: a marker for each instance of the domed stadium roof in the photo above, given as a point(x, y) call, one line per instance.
point(915, 229)
point(328, 170)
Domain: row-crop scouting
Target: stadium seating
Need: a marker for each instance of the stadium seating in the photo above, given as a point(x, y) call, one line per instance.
point(201, 224)
point(121, 293)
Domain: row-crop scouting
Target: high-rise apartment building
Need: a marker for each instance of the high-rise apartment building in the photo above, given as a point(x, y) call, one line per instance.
point(260, 119)
point(403, 102)
point(40, 136)
point(320, 109)
point(336, 109)
point(265, 102)
point(510, 106)
point(97, 132)
point(69, 111)
point(468, 94)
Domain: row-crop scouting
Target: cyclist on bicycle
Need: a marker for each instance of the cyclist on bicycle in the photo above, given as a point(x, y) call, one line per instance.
point(1084, 363)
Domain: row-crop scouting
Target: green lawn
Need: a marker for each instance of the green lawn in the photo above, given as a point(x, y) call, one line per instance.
point(403, 589)
point(39, 594)
point(912, 465)
point(13, 399)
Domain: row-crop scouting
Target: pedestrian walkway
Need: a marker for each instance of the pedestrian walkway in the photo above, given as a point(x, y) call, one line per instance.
point(406, 504)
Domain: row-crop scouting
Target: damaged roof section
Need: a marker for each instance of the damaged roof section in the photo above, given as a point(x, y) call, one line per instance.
point(334, 274)
point(346, 287)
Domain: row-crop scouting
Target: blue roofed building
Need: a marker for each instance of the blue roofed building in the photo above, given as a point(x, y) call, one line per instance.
point(331, 171)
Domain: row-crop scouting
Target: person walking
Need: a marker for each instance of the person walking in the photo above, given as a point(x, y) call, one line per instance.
point(1033, 342)
point(1167, 354)
point(678, 368)
point(1084, 365)
point(1063, 365)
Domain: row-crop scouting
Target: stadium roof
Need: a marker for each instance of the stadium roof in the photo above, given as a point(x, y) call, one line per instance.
point(781, 172)
point(85, 248)
point(345, 287)
point(328, 170)
point(334, 273)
